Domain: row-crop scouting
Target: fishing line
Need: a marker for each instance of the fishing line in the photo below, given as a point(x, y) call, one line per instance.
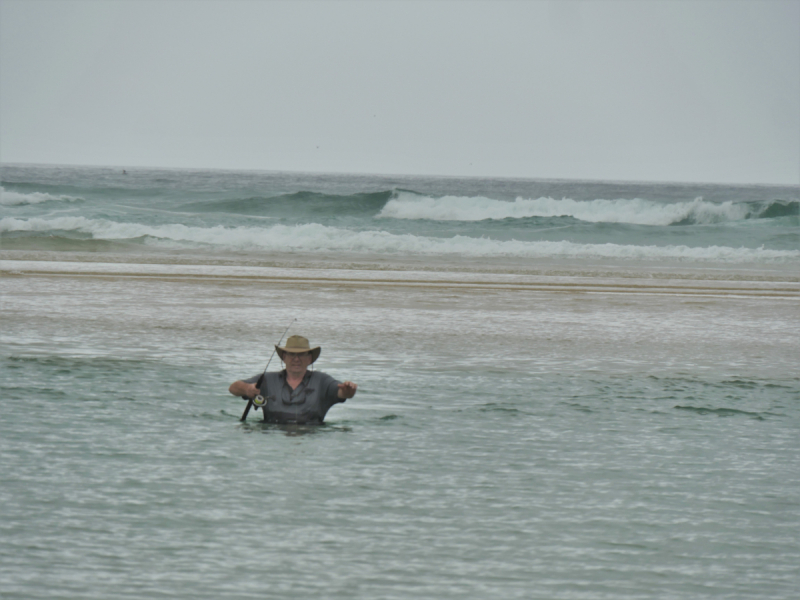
point(259, 400)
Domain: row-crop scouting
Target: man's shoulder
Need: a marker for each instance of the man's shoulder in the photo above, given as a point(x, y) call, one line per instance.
point(322, 377)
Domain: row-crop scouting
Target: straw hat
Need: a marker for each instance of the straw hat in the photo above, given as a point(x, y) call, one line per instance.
point(297, 343)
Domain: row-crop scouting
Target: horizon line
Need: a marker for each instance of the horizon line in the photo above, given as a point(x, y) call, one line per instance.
point(404, 175)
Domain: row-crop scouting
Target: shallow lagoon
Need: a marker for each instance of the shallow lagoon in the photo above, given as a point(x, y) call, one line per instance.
point(520, 443)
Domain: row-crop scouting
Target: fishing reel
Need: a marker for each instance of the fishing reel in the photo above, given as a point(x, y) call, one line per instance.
point(259, 401)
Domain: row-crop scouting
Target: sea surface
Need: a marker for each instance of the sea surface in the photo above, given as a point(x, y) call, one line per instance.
point(567, 389)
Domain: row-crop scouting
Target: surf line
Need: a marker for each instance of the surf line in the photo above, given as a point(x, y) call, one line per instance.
point(258, 401)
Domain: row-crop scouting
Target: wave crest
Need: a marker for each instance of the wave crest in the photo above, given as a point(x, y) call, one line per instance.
point(9, 198)
point(407, 205)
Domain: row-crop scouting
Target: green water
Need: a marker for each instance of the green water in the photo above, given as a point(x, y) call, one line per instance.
point(503, 443)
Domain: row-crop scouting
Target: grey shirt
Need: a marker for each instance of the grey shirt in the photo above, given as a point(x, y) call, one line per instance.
point(307, 403)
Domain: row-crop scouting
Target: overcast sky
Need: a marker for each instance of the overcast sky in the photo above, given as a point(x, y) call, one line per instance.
point(702, 91)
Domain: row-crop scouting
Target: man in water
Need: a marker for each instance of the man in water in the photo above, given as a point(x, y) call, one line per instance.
point(296, 395)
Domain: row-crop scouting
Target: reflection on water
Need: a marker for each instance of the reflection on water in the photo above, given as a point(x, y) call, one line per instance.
point(291, 429)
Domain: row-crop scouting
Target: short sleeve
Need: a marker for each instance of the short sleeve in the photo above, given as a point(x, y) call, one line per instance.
point(331, 389)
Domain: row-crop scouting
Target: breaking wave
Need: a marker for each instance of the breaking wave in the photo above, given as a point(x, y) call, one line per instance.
point(315, 238)
point(407, 205)
point(9, 198)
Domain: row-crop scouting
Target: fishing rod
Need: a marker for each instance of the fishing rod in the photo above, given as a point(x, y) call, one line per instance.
point(259, 401)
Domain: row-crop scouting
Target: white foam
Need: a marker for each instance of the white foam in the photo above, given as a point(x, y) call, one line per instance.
point(319, 238)
point(407, 205)
point(8, 198)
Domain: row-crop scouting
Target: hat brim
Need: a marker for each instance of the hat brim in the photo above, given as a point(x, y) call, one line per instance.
point(315, 352)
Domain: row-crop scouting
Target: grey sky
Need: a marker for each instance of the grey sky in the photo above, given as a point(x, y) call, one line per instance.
point(661, 91)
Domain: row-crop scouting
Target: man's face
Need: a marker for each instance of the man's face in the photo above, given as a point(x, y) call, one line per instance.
point(297, 362)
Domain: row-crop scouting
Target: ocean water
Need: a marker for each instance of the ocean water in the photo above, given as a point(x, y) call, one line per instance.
point(567, 389)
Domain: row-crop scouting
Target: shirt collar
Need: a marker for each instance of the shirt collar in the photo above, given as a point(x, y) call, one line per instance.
point(306, 377)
